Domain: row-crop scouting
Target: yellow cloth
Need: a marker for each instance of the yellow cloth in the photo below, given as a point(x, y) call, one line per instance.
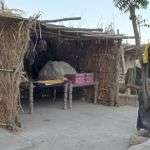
point(145, 56)
point(50, 82)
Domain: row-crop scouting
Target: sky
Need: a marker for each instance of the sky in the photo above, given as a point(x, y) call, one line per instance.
point(94, 13)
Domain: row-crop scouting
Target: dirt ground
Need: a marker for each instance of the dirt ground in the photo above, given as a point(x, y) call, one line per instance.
point(85, 127)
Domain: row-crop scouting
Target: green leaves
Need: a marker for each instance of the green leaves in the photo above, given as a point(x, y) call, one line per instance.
point(143, 3)
point(124, 5)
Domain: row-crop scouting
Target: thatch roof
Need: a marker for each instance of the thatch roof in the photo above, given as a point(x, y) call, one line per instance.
point(8, 18)
point(52, 30)
point(82, 33)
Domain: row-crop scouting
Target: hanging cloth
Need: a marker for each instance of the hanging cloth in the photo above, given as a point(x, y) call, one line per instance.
point(145, 55)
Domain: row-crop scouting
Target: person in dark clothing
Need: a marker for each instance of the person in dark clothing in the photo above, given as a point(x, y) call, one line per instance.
point(134, 81)
point(140, 124)
point(141, 109)
point(143, 121)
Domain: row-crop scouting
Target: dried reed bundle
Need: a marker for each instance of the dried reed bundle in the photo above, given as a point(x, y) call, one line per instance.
point(14, 37)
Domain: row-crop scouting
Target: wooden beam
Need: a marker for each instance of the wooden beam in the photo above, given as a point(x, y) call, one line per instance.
point(7, 70)
point(102, 35)
point(69, 29)
point(59, 20)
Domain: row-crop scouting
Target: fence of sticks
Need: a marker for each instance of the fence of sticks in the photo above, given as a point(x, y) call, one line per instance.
point(100, 56)
point(87, 50)
point(14, 36)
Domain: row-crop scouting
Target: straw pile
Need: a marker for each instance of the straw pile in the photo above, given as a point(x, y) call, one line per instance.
point(14, 36)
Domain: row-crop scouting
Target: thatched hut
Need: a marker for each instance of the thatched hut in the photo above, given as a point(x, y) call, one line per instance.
point(87, 50)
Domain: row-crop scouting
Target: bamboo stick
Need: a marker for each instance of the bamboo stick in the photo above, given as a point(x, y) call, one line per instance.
point(63, 19)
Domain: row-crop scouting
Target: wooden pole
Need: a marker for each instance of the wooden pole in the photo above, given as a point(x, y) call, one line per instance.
point(7, 70)
point(115, 91)
point(31, 96)
point(70, 95)
point(95, 92)
point(59, 20)
point(123, 60)
point(65, 96)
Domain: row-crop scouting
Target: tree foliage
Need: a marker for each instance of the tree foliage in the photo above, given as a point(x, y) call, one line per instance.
point(124, 5)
